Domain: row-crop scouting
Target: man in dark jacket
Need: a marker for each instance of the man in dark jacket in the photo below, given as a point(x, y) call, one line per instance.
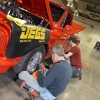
point(55, 80)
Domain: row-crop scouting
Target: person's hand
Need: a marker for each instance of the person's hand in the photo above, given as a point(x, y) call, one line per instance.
point(39, 67)
point(46, 65)
point(42, 66)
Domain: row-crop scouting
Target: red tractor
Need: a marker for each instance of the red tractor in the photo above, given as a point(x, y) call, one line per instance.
point(29, 29)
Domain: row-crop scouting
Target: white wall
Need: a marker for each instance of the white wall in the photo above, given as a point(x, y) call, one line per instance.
point(90, 35)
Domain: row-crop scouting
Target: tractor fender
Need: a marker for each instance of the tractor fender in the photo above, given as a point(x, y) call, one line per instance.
point(5, 34)
point(25, 38)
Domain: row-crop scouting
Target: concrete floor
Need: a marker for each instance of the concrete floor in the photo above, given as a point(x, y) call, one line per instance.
point(86, 89)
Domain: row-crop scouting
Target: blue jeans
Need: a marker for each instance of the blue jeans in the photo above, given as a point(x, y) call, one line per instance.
point(75, 71)
point(31, 82)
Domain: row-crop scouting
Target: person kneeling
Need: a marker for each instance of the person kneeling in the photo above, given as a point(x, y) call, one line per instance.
point(56, 79)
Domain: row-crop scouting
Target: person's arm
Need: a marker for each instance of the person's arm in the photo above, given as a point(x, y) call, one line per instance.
point(45, 81)
point(68, 55)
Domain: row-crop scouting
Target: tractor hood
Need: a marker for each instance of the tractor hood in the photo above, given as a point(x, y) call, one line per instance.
point(36, 6)
point(76, 28)
point(39, 6)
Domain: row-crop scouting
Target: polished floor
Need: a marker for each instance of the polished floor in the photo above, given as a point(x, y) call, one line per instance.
point(86, 89)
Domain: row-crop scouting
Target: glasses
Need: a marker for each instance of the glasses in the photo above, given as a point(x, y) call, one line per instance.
point(52, 53)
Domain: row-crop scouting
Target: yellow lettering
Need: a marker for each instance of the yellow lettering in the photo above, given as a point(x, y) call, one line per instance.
point(25, 41)
point(29, 33)
point(41, 41)
point(25, 32)
point(29, 41)
point(42, 34)
point(21, 40)
point(32, 33)
point(38, 31)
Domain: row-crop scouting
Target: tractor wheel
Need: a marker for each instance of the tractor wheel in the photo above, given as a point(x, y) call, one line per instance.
point(30, 61)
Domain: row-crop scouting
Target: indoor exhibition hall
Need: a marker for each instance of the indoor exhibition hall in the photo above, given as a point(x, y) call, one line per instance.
point(28, 31)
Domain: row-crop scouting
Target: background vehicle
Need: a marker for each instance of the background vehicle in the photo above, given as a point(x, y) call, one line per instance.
point(23, 46)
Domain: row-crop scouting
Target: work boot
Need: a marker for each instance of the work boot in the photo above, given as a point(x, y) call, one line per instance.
point(79, 75)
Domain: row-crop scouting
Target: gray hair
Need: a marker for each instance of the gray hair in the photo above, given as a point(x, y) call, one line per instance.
point(58, 50)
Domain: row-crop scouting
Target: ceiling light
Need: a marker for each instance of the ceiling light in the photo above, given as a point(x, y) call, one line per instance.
point(70, 3)
point(76, 13)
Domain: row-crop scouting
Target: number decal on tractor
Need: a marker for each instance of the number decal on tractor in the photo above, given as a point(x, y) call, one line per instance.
point(30, 32)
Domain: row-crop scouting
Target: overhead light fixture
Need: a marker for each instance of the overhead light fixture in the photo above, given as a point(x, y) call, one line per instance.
point(76, 13)
point(70, 3)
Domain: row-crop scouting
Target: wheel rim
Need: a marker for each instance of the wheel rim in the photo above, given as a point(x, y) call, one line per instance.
point(34, 61)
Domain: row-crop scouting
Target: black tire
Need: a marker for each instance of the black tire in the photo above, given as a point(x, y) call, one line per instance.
point(22, 65)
